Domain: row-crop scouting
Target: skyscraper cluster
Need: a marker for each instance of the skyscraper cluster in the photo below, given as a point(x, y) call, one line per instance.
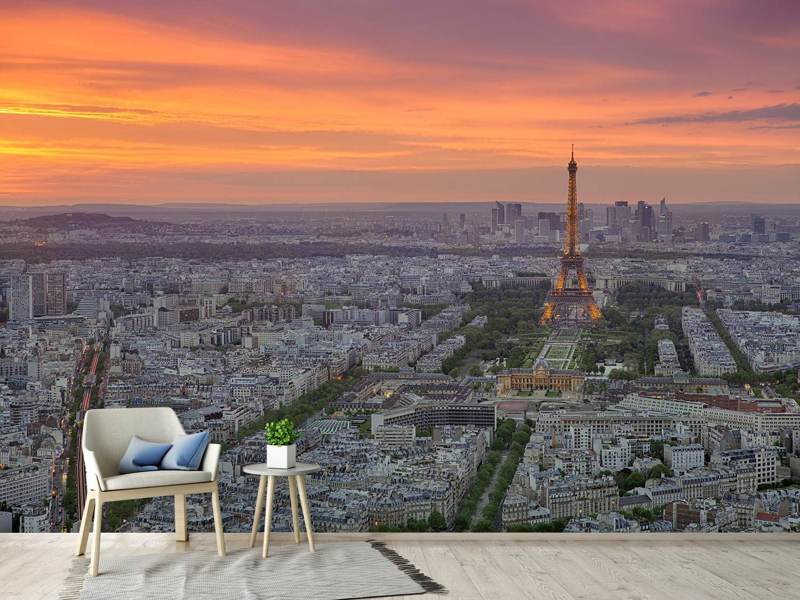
point(548, 222)
point(36, 294)
point(759, 224)
point(508, 218)
point(618, 219)
point(643, 224)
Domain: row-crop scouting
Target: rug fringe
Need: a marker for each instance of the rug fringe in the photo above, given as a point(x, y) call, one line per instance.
point(73, 584)
point(407, 567)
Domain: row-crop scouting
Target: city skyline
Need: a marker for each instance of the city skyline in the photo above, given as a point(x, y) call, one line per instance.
point(621, 367)
point(266, 104)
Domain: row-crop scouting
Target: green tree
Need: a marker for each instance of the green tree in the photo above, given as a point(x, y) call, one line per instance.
point(633, 480)
point(482, 525)
point(657, 449)
point(417, 525)
point(521, 437)
point(621, 374)
point(556, 526)
point(659, 470)
point(436, 521)
point(461, 522)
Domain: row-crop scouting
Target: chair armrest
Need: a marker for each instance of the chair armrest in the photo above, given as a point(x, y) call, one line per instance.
point(210, 460)
point(93, 470)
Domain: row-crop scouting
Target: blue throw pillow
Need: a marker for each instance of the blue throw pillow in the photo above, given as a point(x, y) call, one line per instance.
point(142, 455)
point(186, 452)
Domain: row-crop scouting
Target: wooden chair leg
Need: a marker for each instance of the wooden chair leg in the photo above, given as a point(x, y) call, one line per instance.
point(181, 530)
point(86, 525)
point(94, 565)
point(301, 486)
point(218, 522)
point(262, 486)
point(268, 515)
point(293, 502)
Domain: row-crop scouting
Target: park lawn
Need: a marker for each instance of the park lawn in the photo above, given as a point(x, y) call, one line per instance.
point(533, 353)
point(558, 352)
point(558, 364)
point(566, 335)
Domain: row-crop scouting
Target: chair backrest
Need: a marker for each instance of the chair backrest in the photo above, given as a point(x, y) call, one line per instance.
point(108, 431)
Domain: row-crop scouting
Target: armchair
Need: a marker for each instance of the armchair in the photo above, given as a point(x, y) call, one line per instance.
point(106, 434)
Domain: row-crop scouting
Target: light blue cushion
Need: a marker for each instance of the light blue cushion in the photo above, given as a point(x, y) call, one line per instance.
point(186, 452)
point(142, 455)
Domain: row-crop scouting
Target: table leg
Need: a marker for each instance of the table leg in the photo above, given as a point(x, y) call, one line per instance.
point(262, 485)
point(301, 486)
point(293, 502)
point(268, 515)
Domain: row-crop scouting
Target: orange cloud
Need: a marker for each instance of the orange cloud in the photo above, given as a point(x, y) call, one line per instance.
point(111, 106)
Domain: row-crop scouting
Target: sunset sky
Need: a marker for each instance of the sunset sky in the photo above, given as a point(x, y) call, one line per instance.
point(367, 100)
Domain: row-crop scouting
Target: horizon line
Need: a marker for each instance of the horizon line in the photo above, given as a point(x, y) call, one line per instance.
point(295, 204)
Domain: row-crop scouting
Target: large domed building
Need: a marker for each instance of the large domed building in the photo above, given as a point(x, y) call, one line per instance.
point(539, 377)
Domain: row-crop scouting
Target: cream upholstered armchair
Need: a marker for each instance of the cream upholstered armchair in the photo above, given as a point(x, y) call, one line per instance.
point(106, 434)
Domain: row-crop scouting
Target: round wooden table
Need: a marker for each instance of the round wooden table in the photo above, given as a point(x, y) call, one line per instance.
point(297, 486)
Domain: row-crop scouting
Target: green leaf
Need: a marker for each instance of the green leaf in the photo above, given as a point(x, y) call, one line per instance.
point(280, 433)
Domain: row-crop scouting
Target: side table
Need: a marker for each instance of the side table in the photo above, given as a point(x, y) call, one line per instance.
point(297, 486)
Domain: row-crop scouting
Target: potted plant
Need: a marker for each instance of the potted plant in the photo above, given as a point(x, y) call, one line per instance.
point(281, 448)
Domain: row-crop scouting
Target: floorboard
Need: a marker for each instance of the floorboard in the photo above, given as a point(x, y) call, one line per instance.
point(488, 567)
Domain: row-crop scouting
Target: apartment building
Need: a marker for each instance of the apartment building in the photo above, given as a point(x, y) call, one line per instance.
point(684, 458)
point(710, 354)
point(24, 484)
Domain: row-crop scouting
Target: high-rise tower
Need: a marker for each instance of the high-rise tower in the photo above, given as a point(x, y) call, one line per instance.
point(566, 303)
point(20, 302)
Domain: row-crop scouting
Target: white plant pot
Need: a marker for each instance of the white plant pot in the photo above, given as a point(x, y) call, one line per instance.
point(281, 457)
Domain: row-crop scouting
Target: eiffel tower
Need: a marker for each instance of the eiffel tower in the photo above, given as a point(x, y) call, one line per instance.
point(566, 304)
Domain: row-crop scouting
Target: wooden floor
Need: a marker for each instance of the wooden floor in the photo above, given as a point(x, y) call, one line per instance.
point(491, 566)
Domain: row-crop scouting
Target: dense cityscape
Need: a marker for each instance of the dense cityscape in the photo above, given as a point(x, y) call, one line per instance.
point(421, 362)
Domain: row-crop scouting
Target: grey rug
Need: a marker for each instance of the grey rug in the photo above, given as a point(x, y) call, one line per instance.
point(334, 572)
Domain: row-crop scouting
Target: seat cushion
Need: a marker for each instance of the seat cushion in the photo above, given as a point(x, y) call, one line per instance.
point(142, 455)
point(155, 479)
point(186, 452)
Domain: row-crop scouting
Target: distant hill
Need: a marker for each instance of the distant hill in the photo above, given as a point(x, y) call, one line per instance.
point(80, 220)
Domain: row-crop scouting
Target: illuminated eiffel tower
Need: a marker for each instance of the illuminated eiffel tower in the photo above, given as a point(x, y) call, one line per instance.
point(565, 303)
